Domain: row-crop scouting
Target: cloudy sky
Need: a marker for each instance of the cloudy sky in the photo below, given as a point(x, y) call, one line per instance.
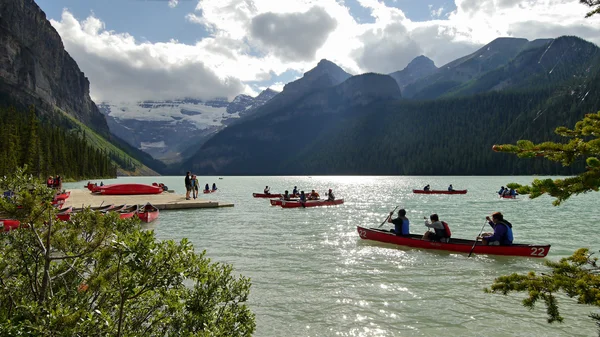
point(164, 49)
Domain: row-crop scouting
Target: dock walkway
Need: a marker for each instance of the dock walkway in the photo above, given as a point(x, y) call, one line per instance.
point(163, 201)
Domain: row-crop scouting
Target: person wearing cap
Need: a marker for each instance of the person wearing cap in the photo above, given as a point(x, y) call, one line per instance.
point(503, 234)
point(330, 196)
point(401, 223)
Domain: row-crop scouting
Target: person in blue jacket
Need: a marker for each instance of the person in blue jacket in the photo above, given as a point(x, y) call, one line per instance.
point(401, 223)
point(302, 196)
point(503, 234)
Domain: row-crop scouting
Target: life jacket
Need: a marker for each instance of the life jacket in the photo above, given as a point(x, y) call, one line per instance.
point(447, 229)
point(509, 232)
point(49, 182)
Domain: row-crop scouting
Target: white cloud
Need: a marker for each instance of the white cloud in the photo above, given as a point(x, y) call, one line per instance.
point(173, 3)
point(256, 40)
point(293, 36)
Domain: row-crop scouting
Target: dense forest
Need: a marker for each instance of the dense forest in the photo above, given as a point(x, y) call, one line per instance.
point(48, 149)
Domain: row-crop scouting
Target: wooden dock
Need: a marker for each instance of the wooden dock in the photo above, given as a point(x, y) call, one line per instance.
point(163, 201)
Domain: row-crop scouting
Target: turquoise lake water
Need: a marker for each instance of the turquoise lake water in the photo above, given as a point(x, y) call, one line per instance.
point(313, 276)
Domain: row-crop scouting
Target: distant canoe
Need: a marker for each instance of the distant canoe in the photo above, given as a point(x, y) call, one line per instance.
point(209, 191)
point(455, 245)
point(311, 203)
point(267, 195)
point(508, 196)
point(129, 189)
point(148, 213)
point(277, 202)
point(440, 192)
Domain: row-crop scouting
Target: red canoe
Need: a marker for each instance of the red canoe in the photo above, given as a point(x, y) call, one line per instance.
point(65, 213)
point(209, 191)
point(455, 245)
point(147, 213)
point(93, 187)
point(58, 203)
point(277, 202)
point(102, 209)
point(128, 212)
point(9, 224)
point(129, 189)
point(440, 192)
point(311, 203)
point(62, 196)
point(263, 195)
point(508, 196)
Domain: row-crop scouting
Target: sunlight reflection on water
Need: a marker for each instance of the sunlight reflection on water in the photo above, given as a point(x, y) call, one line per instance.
point(313, 276)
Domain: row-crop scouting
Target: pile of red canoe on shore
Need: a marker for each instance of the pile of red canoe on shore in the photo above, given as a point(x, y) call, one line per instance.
point(126, 189)
point(146, 213)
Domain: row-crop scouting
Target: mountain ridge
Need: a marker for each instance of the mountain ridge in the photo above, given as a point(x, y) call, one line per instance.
point(341, 134)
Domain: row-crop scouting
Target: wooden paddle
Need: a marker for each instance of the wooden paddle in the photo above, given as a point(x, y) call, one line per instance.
point(386, 219)
point(475, 243)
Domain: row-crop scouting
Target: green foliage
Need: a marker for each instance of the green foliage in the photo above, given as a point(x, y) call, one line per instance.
point(98, 275)
point(47, 149)
point(577, 276)
point(595, 4)
point(584, 143)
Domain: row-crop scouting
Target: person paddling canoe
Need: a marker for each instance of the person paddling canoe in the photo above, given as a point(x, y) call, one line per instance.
point(330, 196)
point(441, 230)
point(267, 190)
point(401, 223)
point(502, 236)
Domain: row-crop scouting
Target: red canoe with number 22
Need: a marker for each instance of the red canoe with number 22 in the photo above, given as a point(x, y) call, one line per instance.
point(455, 245)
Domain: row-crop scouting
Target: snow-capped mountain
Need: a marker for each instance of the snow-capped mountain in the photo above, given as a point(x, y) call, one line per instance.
point(169, 129)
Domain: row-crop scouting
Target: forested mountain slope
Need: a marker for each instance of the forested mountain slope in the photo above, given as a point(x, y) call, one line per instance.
point(36, 70)
point(325, 132)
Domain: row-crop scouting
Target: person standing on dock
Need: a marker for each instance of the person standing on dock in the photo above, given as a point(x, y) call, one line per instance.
point(194, 182)
point(188, 185)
